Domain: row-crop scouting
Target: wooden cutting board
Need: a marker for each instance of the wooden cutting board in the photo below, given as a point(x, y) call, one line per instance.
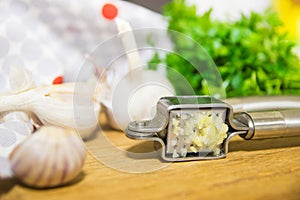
point(257, 169)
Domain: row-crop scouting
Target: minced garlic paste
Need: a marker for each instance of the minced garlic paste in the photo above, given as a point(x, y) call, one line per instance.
point(192, 131)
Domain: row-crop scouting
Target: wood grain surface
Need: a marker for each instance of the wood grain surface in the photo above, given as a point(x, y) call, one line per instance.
point(257, 169)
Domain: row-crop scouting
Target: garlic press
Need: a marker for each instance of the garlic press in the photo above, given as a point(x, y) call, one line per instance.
point(200, 127)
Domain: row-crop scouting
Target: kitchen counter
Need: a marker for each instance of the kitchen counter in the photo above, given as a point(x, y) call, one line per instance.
point(257, 169)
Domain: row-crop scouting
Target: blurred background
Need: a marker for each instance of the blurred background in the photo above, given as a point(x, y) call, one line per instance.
point(155, 5)
point(289, 10)
point(51, 38)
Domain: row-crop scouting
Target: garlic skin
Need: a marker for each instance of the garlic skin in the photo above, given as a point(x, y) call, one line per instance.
point(68, 105)
point(12, 119)
point(51, 157)
point(15, 127)
point(20, 79)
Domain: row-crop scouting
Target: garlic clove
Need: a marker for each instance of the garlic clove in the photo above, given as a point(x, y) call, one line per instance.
point(51, 157)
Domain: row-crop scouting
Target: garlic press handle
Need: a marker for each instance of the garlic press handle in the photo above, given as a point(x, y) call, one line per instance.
point(284, 123)
point(263, 103)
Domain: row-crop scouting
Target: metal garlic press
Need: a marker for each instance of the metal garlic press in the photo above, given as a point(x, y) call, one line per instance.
point(200, 127)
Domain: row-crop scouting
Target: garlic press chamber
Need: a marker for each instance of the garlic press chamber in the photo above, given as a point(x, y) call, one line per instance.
point(200, 127)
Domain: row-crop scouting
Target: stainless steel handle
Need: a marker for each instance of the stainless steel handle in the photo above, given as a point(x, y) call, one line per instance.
point(263, 103)
point(270, 124)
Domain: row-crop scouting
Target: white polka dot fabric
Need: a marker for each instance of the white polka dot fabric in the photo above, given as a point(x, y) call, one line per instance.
point(51, 37)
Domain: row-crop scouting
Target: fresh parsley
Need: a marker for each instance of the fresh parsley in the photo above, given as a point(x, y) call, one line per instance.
point(252, 56)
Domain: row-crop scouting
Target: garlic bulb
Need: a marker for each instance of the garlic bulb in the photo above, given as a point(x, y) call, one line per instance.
point(134, 99)
point(69, 105)
point(131, 96)
point(51, 157)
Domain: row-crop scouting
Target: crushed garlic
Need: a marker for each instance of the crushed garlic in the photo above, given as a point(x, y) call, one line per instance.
point(194, 132)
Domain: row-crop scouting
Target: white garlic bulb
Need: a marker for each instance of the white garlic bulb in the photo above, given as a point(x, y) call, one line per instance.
point(131, 96)
point(69, 105)
point(50, 157)
point(134, 99)
point(128, 99)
